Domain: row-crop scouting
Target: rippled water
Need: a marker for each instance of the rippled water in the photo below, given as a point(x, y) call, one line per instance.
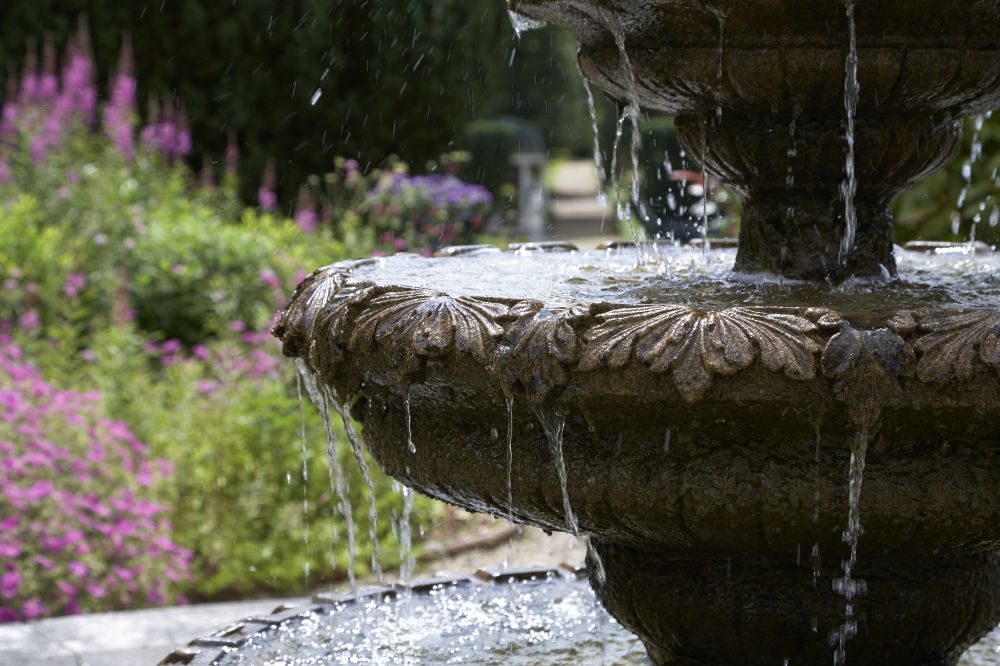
point(553, 622)
point(518, 623)
point(669, 274)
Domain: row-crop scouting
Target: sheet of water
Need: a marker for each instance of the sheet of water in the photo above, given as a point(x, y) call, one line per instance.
point(667, 274)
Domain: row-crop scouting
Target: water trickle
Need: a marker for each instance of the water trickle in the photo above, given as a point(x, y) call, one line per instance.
point(719, 69)
point(704, 192)
point(631, 111)
point(666, 441)
point(300, 367)
point(406, 536)
point(602, 175)
point(510, 468)
point(357, 447)
point(409, 422)
point(599, 580)
point(850, 186)
point(554, 425)
point(793, 152)
point(814, 558)
point(847, 586)
point(335, 472)
point(975, 152)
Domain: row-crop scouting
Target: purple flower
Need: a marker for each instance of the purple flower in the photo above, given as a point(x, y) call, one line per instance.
point(120, 110)
point(10, 582)
point(266, 196)
point(6, 175)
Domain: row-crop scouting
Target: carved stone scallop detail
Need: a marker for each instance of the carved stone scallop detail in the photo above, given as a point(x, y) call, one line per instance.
point(694, 345)
point(957, 345)
point(421, 323)
point(295, 326)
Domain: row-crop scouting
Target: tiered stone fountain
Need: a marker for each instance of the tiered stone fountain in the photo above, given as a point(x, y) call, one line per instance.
point(723, 454)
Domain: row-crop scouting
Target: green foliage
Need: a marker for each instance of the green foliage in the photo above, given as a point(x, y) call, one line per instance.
point(931, 210)
point(122, 277)
point(231, 425)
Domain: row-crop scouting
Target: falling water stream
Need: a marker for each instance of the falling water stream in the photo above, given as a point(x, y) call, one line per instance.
point(851, 94)
point(554, 424)
point(337, 478)
point(975, 152)
point(602, 176)
point(359, 455)
point(847, 586)
point(300, 367)
point(631, 111)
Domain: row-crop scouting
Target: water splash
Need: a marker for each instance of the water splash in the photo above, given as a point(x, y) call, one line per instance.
point(849, 188)
point(357, 447)
point(522, 23)
point(554, 425)
point(847, 586)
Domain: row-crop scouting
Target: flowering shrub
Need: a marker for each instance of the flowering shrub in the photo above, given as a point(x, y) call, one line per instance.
point(79, 529)
point(420, 213)
point(391, 211)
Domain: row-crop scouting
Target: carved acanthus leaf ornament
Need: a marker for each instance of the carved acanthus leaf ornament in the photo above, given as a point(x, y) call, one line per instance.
point(694, 345)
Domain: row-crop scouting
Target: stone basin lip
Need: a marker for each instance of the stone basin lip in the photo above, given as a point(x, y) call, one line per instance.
point(336, 313)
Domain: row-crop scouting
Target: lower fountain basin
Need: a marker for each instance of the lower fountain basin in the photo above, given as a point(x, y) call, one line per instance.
point(539, 616)
point(702, 429)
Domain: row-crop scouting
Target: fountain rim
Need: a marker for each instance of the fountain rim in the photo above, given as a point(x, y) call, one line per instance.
point(534, 347)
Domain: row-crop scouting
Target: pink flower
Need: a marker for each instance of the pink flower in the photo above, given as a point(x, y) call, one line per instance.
point(29, 321)
point(200, 352)
point(33, 608)
point(6, 175)
point(269, 278)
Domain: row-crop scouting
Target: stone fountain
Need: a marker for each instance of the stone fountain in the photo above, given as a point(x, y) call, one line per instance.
point(766, 474)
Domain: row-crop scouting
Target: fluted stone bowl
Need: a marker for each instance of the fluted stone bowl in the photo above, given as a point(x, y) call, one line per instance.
point(758, 90)
point(706, 433)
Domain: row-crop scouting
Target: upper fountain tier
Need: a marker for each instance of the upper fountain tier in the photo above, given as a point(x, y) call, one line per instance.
point(758, 87)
